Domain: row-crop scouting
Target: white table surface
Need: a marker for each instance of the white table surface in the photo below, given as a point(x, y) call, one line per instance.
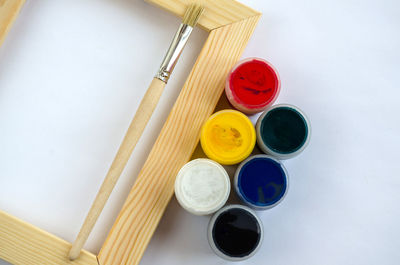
point(73, 72)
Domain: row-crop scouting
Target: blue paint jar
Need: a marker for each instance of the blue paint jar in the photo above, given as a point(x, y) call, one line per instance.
point(261, 182)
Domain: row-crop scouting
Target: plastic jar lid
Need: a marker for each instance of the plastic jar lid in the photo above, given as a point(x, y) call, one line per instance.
point(261, 182)
point(235, 233)
point(228, 137)
point(283, 131)
point(202, 186)
point(252, 85)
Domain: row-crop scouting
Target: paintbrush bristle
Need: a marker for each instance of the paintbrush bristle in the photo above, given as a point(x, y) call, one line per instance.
point(193, 14)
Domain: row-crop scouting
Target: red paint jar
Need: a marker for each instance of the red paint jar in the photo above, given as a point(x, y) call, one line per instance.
point(252, 85)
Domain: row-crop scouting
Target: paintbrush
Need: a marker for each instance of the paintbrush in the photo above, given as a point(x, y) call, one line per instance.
point(138, 124)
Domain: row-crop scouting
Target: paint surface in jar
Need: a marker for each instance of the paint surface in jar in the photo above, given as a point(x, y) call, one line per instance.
point(284, 130)
point(202, 186)
point(228, 137)
point(236, 232)
point(254, 83)
point(261, 181)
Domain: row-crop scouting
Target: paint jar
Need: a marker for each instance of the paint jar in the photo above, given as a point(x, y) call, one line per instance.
point(202, 186)
point(283, 131)
point(261, 182)
point(252, 85)
point(228, 137)
point(235, 233)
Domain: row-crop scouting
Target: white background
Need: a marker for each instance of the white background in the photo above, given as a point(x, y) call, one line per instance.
point(73, 72)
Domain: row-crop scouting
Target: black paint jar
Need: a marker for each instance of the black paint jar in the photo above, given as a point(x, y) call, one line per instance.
point(235, 233)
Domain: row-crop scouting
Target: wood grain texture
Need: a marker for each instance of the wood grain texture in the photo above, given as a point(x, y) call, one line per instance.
point(9, 10)
point(218, 13)
point(154, 186)
point(24, 244)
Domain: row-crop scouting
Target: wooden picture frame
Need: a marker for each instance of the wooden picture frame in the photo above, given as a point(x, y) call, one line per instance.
point(230, 25)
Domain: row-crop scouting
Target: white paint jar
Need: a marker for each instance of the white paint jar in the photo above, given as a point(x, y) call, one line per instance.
point(202, 186)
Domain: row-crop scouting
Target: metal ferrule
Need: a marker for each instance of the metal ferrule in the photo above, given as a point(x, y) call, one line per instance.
point(173, 53)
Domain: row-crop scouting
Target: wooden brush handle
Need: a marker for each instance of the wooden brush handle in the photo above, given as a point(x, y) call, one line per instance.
point(136, 128)
point(8, 12)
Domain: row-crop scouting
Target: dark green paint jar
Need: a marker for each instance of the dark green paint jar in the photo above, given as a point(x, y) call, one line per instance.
point(283, 131)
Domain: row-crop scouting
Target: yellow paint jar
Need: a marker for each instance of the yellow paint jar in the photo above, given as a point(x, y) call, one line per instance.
point(228, 137)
